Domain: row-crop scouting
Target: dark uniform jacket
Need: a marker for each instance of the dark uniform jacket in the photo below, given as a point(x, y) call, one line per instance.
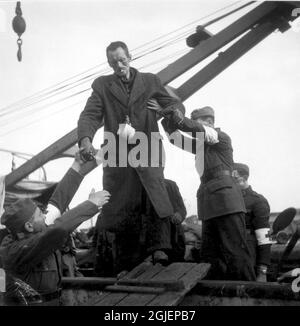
point(218, 194)
point(110, 103)
point(257, 217)
point(35, 258)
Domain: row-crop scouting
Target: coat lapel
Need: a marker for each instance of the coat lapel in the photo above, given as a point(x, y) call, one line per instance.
point(116, 89)
point(138, 88)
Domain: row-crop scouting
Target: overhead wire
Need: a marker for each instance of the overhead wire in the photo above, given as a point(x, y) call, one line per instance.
point(84, 79)
point(144, 52)
point(2, 123)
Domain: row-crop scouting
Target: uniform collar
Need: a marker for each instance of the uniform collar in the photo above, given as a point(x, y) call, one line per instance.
point(247, 190)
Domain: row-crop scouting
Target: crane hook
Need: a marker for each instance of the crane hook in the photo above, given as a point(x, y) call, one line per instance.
point(19, 27)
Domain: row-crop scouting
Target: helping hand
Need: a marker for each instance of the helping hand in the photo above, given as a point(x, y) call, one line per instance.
point(99, 198)
point(153, 105)
point(176, 218)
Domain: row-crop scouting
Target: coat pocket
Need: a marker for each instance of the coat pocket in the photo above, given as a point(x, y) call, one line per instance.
point(217, 185)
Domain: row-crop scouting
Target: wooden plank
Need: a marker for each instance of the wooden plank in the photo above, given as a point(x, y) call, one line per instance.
point(143, 271)
point(135, 289)
point(168, 285)
point(157, 273)
point(174, 271)
point(142, 299)
point(190, 279)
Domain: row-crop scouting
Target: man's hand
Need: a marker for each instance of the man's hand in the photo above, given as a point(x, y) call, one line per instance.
point(176, 115)
point(153, 105)
point(78, 163)
point(99, 198)
point(87, 151)
point(176, 218)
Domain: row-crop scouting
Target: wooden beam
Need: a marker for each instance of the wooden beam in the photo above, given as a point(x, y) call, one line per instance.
point(268, 290)
point(225, 59)
point(206, 48)
point(43, 157)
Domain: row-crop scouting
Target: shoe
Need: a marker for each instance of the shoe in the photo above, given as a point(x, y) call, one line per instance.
point(160, 257)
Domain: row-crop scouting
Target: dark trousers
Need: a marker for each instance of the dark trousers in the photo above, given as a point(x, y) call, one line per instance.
point(224, 246)
point(141, 233)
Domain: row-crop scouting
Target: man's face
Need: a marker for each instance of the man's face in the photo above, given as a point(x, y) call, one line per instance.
point(240, 181)
point(120, 62)
point(38, 221)
point(206, 121)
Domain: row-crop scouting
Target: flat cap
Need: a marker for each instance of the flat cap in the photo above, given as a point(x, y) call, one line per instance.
point(18, 213)
point(242, 169)
point(206, 111)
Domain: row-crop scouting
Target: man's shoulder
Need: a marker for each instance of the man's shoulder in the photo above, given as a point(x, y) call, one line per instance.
point(257, 198)
point(222, 133)
point(223, 137)
point(170, 183)
point(147, 75)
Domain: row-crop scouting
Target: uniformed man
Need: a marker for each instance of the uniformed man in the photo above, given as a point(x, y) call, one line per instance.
point(32, 252)
point(220, 202)
point(257, 222)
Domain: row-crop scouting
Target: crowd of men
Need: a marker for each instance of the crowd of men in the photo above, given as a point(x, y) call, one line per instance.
point(140, 211)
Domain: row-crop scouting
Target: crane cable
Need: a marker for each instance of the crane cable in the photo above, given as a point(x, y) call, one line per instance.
point(139, 55)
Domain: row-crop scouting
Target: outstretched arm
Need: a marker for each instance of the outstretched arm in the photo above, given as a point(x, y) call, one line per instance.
point(42, 244)
point(65, 190)
point(89, 122)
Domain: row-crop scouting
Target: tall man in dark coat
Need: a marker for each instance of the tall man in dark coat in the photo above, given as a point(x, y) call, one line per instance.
point(120, 102)
point(257, 222)
point(220, 202)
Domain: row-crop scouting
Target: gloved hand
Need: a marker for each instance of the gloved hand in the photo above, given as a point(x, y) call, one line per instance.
point(99, 198)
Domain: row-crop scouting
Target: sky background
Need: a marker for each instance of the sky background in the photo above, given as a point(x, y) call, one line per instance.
point(256, 100)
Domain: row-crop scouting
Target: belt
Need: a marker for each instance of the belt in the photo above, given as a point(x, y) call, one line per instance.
point(51, 296)
point(216, 174)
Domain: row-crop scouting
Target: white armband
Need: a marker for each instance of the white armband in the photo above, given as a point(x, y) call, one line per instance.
point(211, 135)
point(262, 236)
point(52, 214)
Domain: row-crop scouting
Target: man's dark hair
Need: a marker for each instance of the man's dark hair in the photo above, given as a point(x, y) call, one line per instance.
point(118, 44)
